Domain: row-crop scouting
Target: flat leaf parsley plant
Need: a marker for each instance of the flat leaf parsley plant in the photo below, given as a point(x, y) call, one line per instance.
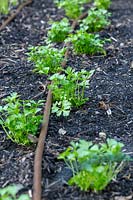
point(59, 30)
point(69, 90)
point(47, 59)
point(96, 20)
point(19, 118)
point(87, 43)
point(94, 165)
point(73, 8)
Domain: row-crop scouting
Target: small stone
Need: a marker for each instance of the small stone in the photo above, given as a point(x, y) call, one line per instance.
point(42, 22)
point(109, 112)
point(102, 135)
point(121, 44)
point(97, 113)
point(62, 131)
point(99, 69)
point(23, 159)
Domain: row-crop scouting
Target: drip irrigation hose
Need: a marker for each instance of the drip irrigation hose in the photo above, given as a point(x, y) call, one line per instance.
point(37, 190)
point(14, 14)
point(39, 150)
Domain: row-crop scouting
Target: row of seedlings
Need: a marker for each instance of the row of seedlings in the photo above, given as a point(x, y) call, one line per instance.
point(93, 165)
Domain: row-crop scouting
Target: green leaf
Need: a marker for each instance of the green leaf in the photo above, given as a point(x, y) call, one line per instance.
point(24, 197)
point(11, 189)
point(66, 113)
point(94, 148)
point(100, 169)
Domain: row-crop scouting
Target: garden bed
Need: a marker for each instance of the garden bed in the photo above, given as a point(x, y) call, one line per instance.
point(111, 85)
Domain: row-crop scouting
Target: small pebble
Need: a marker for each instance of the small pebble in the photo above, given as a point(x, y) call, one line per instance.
point(62, 131)
point(102, 135)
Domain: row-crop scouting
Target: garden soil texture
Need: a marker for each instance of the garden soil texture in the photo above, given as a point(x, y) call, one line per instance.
point(110, 87)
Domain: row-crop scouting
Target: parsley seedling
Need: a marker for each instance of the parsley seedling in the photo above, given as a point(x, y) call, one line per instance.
point(46, 58)
point(96, 20)
point(87, 43)
point(73, 8)
point(59, 30)
point(94, 165)
point(69, 90)
point(19, 118)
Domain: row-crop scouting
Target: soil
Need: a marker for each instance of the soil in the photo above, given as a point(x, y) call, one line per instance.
point(112, 84)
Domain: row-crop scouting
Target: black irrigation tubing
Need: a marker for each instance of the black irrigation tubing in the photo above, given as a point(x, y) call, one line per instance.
point(14, 14)
point(37, 176)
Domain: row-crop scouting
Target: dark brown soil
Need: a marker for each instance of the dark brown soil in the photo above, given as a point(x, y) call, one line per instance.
point(112, 83)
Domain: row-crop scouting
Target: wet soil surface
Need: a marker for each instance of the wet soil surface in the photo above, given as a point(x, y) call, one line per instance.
point(112, 84)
